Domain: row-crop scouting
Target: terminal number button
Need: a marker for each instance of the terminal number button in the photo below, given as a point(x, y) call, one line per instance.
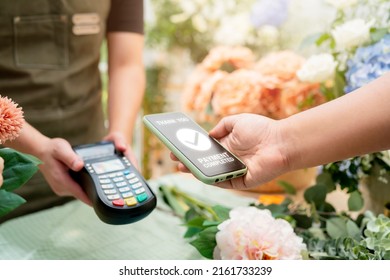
point(130, 176)
point(127, 194)
point(124, 189)
point(136, 185)
point(139, 191)
point(118, 179)
point(134, 180)
point(113, 196)
point(107, 186)
point(104, 181)
point(110, 191)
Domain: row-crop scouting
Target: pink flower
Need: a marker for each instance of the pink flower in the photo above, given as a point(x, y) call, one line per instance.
point(287, 95)
point(202, 84)
point(270, 87)
point(199, 90)
point(283, 64)
point(237, 57)
point(298, 96)
point(238, 92)
point(11, 119)
point(253, 234)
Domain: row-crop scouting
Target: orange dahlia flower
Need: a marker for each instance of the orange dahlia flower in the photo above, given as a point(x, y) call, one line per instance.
point(11, 119)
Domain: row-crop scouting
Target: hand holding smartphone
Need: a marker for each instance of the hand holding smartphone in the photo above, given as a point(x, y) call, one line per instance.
point(204, 156)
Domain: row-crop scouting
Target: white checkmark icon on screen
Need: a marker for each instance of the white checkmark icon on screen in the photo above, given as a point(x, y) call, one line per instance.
point(193, 139)
point(195, 142)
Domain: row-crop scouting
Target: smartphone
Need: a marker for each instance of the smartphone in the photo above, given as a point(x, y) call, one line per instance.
point(204, 156)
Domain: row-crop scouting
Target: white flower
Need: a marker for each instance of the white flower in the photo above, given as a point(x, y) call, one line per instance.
point(269, 34)
point(178, 18)
point(199, 23)
point(234, 30)
point(386, 157)
point(370, 10)
point(253, 234)
point(341, 4)
point(215, 10)
point(188, 7)
point(351, 34)
point(317, 69)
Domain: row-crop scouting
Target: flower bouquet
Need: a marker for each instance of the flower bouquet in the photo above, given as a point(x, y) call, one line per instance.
point(357, 43)
point(291, 230)
point(18, 167)
point(230, 81)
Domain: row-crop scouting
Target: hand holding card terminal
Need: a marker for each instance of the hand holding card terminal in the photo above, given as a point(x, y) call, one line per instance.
point(119, 193)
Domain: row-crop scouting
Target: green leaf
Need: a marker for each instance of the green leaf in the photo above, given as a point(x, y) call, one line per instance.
point(222, 212)
point(205, 242)
point(196, 222)
point(353, 230)
point(310, 40)
point(172, 201)
point(321, 39)
point(386, 256)
point(336, 227)
point(316, 195)
point(328, 208)
point(303, 221)
point(339, 80)
point(18, 168)
point(211, 223)
point(355, 201)
point(326, 179)
point(287, 187)
point(192, 231)
point(378, 33)
point(276, 209)
point(9, 201)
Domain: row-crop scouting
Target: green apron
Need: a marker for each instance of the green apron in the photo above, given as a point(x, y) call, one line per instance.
point(49, 57)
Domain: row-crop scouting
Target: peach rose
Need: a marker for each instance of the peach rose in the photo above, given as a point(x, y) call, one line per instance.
point(192, 87)
point(282, 64)
point(298, 96)
point(198, 91)
point(270, 97)
point(270, 88)
point(237, 57)
point(238, 92)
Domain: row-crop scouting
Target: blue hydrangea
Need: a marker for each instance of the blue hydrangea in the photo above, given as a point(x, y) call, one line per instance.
point(269, 12)
point(367, 64)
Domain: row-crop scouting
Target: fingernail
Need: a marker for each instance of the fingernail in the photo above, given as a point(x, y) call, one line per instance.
point(77, 163)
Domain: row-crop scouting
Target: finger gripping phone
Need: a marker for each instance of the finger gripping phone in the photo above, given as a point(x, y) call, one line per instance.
point(119, 193)
point(204, 156)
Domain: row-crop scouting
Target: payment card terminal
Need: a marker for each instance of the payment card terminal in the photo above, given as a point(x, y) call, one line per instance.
point(119, 193)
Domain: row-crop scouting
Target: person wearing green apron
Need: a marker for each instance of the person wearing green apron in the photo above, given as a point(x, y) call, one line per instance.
point(49, 65)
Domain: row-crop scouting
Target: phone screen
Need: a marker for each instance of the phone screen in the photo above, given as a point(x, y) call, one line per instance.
point(209, 156)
